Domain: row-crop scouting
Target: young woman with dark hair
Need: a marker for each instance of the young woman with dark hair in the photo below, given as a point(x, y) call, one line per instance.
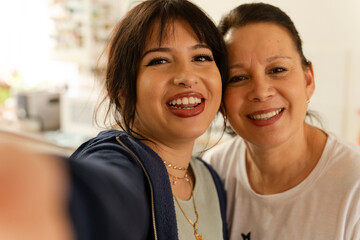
point(164, 76)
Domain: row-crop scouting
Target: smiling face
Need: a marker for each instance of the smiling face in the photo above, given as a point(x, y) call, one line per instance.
point(268, 87)
point(178, 86)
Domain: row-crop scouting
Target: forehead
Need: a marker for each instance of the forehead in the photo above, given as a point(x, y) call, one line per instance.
point(158, 35)
point(261, 39)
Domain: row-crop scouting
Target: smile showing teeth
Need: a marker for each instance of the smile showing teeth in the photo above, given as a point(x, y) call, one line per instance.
point(185, 102)
point(265, 116)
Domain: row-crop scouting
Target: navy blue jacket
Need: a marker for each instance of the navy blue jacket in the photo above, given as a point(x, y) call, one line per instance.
point(121, 190)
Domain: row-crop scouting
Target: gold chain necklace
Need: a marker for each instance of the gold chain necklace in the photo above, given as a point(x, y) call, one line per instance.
point(197, 235)
point(169, 165)
point(175, 178)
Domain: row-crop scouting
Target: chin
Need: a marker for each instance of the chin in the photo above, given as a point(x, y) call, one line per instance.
point(190, 133)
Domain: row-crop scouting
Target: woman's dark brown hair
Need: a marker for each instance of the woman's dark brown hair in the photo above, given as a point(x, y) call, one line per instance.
point(127, 44)
point(261, 12)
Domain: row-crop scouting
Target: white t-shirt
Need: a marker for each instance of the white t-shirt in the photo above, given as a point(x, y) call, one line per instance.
point(325, 206)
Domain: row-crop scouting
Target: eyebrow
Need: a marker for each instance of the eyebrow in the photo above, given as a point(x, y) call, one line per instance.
point(268, 60)
point(236, 66)
point(161, 49)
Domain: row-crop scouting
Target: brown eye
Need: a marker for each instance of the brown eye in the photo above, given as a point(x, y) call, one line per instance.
point(203, 58)
point(157, 61)
point(277, 70)
point(237, 78)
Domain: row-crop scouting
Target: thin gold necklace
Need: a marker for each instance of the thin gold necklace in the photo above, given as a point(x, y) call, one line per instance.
point(197, 235)
point(169, 165)
point(175, 178)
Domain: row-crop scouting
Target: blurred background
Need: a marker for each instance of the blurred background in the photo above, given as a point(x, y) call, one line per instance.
point(50, 51)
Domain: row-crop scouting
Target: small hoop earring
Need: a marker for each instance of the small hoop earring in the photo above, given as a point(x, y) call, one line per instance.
point(308, 101)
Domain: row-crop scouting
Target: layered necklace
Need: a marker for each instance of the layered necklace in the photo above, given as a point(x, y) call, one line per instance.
point(186, 178)
point(174, 178)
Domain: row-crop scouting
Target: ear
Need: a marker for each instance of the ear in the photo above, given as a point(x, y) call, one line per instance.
point(309, 80)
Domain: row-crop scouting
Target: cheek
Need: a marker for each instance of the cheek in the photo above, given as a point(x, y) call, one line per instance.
point(148, 86)
point(213, 84)
point(297, 91)
point(218, 90)
point(233, 100)
point(140, 81)
point(234, 104)
point(143, 82)
point(215, 78)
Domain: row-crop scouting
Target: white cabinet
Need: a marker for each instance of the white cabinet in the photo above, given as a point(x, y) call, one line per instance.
point(80, 28)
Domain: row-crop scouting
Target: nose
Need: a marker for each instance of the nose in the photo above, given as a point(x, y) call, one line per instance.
point(261, 89)
point(185, 76)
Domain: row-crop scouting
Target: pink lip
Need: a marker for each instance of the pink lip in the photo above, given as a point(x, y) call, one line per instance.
point(270, 121)
point(195, 109)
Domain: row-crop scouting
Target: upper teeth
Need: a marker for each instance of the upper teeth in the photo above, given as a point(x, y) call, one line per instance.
point(265, 116)
point(185, 100)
